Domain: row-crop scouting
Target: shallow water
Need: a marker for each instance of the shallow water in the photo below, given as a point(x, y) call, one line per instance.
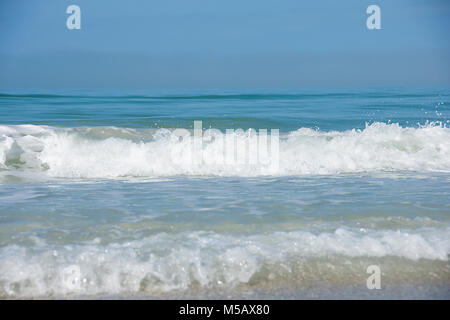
point(93, 205)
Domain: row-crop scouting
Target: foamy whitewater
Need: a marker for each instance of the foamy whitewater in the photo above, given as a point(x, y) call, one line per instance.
point(110, 152)
point(100, 199)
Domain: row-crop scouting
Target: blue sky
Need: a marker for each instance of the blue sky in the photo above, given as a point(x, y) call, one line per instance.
point(223, 44)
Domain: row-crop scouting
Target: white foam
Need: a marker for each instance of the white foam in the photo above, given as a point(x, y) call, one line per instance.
point(5, 145)
point(77, 153)
point(166, 262)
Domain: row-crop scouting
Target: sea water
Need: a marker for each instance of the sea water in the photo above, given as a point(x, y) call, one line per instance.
point(91, 205)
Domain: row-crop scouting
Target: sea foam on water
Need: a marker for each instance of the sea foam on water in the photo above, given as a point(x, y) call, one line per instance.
point(116, 152)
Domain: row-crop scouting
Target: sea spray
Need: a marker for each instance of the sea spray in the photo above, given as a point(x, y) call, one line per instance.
point(108, 152)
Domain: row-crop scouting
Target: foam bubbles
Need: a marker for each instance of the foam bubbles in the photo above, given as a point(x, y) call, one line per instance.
point(114, 152)
point(166, 262)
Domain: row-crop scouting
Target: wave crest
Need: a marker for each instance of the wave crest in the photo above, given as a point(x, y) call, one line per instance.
point(109, 152)
point(167, 262)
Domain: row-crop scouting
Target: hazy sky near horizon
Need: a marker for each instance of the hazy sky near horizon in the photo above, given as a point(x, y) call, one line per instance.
point(223, 44)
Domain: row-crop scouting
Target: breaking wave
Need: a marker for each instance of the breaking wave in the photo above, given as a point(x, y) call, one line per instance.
point(165, 262)
point(111, 152)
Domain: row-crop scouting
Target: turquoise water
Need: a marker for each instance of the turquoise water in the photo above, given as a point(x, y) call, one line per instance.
point(92, 203)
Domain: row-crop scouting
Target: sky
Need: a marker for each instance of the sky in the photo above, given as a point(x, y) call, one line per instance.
point(223, 44)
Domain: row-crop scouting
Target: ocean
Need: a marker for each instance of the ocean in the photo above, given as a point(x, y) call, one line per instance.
point(94, 205)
